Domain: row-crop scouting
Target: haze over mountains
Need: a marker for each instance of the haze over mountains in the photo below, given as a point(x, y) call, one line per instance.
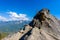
point(12, 26)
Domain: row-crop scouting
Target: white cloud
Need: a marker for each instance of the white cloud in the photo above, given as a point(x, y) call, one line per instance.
point(14, 16)
point(3, 18)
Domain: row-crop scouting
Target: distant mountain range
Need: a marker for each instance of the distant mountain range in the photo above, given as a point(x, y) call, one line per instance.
point(12, 26)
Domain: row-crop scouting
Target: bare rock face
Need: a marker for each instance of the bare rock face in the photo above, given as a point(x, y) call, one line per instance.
point(44, 26)
point(39, 18)
point(48, 26)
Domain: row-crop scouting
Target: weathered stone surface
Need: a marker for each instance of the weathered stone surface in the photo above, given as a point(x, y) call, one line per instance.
point(49, 24)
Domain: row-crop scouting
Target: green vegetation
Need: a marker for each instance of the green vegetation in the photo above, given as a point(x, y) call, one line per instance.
point(2, 35)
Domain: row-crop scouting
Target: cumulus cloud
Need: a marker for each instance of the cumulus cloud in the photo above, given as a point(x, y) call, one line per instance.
point(3, 18)
point(14, 16)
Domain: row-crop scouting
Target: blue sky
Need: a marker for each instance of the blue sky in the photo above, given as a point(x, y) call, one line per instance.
point(28, 7)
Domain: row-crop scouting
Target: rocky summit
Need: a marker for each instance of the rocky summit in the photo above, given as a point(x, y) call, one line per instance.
point(44, 26)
